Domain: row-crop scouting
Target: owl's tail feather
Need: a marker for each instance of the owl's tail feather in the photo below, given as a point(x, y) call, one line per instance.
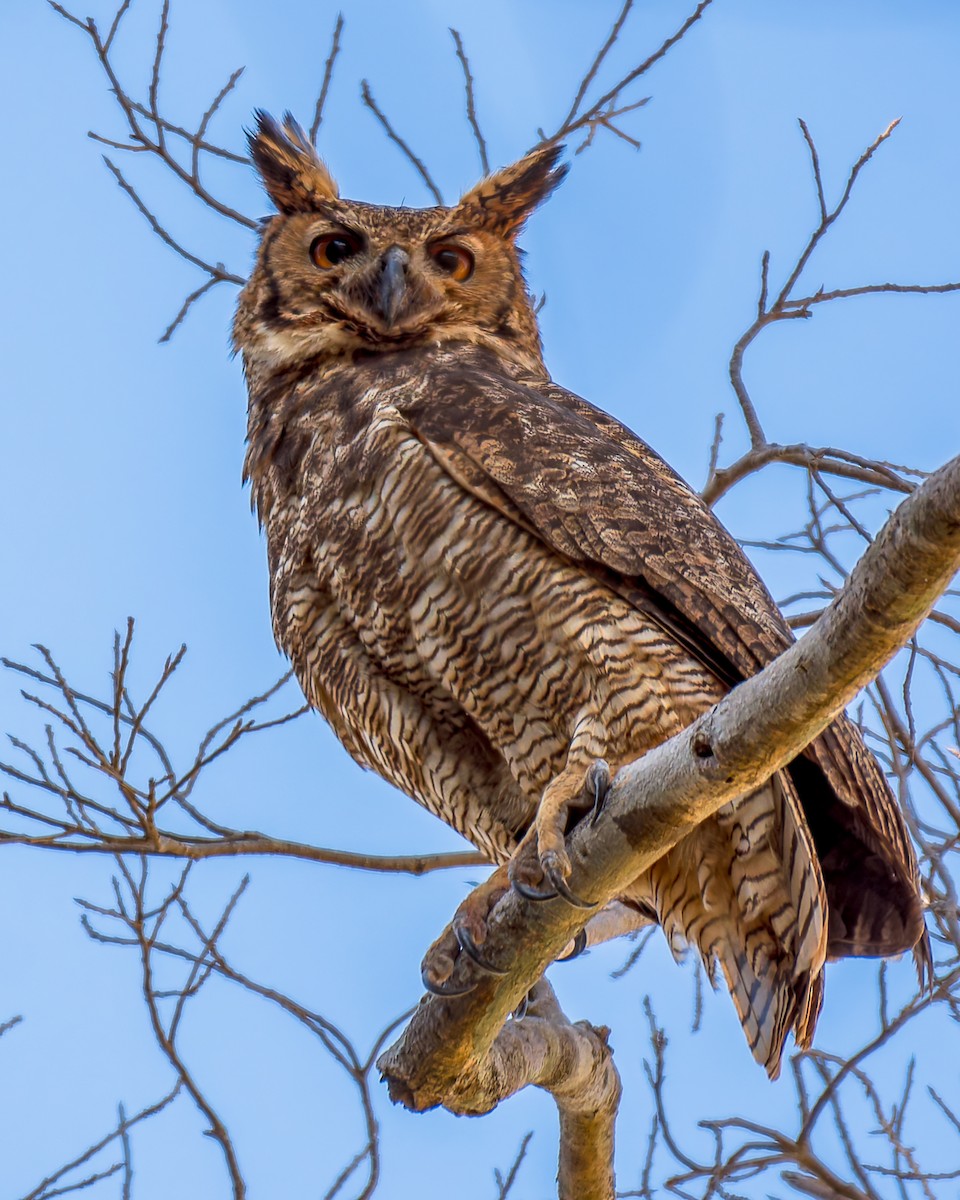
point(745, 888)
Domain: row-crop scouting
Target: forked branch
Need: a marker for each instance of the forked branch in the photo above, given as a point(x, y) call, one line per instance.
point(787, 306)
point(183, 152)
point(604, 112)
point(108, 785)
point(168, 938)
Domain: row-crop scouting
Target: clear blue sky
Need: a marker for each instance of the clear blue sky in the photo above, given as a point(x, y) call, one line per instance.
point(120, 464)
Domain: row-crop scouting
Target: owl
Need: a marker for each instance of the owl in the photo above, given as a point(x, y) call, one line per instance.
point(497, 595)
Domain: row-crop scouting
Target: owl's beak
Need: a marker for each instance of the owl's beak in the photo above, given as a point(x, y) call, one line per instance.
point(393, 282)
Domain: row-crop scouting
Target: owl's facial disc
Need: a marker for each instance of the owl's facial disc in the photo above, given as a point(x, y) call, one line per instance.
point(375, 293)
point(385, 299)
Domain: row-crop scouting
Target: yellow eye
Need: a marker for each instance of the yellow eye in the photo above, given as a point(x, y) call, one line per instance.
point(455, 261)
point(333, 248)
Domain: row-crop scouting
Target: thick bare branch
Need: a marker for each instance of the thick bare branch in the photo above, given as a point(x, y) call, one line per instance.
point(571, 1061)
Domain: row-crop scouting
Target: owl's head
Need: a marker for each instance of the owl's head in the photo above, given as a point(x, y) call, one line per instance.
point(339, 279)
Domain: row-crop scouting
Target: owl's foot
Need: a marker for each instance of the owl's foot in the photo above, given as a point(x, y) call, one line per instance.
point(525, 873)
point(528, 875)
point(564, 793)
point(465, 934)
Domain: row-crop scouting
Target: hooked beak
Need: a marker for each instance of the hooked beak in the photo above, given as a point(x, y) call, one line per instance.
point(393, 282)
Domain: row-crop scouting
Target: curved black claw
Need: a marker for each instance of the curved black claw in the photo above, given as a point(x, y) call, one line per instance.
point(562, 890)
point(521, 1010)
point(524, 889)
point(441, 989)
point(579, 945)
point(469, 947)
point(529, 893)
point(598, 777)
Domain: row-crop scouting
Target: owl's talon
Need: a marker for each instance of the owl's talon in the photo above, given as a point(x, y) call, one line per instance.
point(554, 863)
point(524, 862)
point(444, 989)
point(598, 780)
point(571, 898)
point(469, 947)
point(529, 893)
point(465, 933)
point(579, 945)
point(521, 1010)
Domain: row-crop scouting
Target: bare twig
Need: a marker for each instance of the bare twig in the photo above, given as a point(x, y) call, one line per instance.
point(417, 163)
point(165, 1035)
point(604, 110)
point(506, 1182)
point(216, 272)
point(785, 307)
point(140, 930)
point(327, 77)
point(47, 1188)
point(89, 825)
point(6, 1026)
point(597, 63)
point(148, 131)
point(471, 102)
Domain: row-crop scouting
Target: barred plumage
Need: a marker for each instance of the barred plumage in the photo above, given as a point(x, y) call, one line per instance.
point(485, 584)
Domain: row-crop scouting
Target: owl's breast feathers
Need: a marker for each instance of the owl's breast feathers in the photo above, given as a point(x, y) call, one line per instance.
point(549, 463)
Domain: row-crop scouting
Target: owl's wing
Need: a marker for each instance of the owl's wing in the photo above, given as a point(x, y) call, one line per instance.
point(601, 497)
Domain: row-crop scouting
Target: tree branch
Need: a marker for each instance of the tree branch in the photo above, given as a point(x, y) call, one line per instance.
point(327, 76)
point(787, 307)
point(608, 106)
point(417, 163)
point(471, 102)
point(80, 823)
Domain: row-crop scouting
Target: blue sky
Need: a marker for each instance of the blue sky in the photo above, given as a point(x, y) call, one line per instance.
point(120, 463)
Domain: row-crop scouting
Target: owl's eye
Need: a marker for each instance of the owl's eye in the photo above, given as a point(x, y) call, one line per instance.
point(333, 248)
point(455, 261)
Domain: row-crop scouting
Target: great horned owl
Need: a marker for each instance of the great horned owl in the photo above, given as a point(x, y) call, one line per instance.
point(487, 586)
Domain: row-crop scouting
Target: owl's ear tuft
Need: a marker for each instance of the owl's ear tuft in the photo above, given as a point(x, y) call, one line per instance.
point(503, 201)
point(292, 172)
